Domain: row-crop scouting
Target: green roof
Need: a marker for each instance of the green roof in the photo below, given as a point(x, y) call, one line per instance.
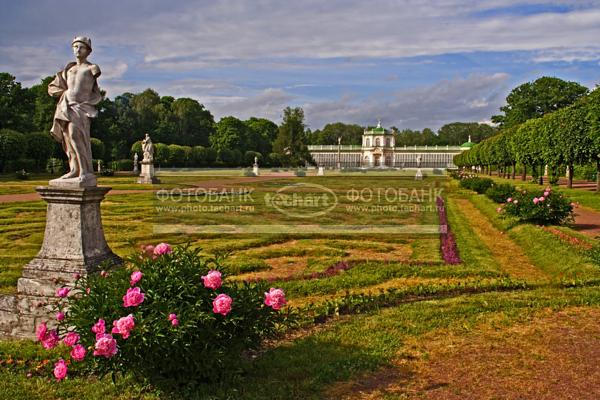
point(467, 144)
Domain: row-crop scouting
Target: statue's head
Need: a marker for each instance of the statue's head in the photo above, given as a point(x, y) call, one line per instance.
point(82, 46)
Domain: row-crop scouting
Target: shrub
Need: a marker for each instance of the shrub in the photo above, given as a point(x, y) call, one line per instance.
point(123, 165)
point(98, 148)
point(500, 192)
point(546, 207)
point(107, 172)
point(40, 147)
point(300, 172)
point(175, 320)
point(479, 185)
point(12, 147)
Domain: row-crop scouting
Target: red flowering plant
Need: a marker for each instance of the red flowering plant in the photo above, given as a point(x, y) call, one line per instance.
point(169, 316)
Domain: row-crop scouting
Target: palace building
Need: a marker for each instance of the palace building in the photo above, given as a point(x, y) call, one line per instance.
point(379, 150)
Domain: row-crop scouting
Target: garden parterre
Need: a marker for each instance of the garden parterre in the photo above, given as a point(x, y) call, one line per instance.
point(389, 271)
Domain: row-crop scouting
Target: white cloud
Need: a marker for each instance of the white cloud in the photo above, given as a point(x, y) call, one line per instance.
point(268, 103)
point(431, 106)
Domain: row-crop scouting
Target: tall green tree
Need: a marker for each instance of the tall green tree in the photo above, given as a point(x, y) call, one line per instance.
point(16, 104)
point(291, 138)
point(537, 98)
point(350, 134)
point(44, 105)
point(231, 134)
point(194, 123)
point(457, 133)
point(263, 134)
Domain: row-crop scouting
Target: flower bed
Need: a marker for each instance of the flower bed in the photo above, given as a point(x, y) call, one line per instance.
point(448, 246)
point(169, 317)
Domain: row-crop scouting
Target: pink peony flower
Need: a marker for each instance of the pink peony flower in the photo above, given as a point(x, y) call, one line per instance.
point(76, 276)
point(509, 200)
point(40, 331)
point(546, 193)
point(60, 316)
point(135, 277)
point(106, 346)
point(162, 248)
point(124, 326)
point(541, 198)
point(103, 274)
point(133, 298)
point(148, 251)
point(48, 338)
point(87, 290)
point(536, 200)
point(63, 292)
point(222, 304)
point(275, 298)
point(212, 280)
point(78, 352)
point(172, 317)
point(499, 209)
point(71, 339)
point(60, 370)
point(99, 327)
point(175, 322)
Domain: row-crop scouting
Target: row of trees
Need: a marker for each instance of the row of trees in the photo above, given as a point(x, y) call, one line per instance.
point(548, 122)
point(183, 129)
point(453, 134)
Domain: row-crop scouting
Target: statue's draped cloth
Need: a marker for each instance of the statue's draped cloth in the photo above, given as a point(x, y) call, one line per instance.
point(78, 113)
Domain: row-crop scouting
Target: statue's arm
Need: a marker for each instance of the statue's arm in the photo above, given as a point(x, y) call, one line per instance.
point(95, 70)
point(57, 87)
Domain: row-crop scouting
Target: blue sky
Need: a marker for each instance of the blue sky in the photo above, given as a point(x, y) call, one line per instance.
point(413, 64)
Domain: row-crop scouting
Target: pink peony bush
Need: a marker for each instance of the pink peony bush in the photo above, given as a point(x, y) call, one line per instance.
point(544, 207)
point(168, 316)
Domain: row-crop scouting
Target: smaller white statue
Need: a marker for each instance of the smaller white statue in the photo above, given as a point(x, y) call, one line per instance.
point(135, 162)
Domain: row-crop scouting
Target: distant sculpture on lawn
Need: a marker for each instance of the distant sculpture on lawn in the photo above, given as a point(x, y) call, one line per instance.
point(148, 149)
point(77, 87)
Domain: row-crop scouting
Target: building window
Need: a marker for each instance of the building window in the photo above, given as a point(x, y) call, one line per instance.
point(387, 142)
point(368, 142)
point(377, 143)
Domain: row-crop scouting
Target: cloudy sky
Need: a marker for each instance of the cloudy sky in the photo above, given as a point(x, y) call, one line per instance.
point(411, 63)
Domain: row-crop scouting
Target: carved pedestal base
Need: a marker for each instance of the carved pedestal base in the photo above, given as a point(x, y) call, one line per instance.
point(73, 243)
point(147, 175)
point(419, 175)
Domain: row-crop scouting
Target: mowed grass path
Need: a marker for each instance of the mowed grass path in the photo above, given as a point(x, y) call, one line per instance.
point(526, 274)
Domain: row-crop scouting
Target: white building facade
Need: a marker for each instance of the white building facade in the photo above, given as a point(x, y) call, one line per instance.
point(378, 150)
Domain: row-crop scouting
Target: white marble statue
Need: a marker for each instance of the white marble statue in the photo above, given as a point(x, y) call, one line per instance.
point(78, 92)
point(135, 163)
point(148, 149)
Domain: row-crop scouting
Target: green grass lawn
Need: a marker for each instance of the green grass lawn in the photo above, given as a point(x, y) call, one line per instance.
point(431, 299)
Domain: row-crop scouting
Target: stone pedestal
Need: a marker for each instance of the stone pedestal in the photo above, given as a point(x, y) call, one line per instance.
point(255, 170)
point(73, 243)
point(320, 172)
point(147, 175)
point(419, 175)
